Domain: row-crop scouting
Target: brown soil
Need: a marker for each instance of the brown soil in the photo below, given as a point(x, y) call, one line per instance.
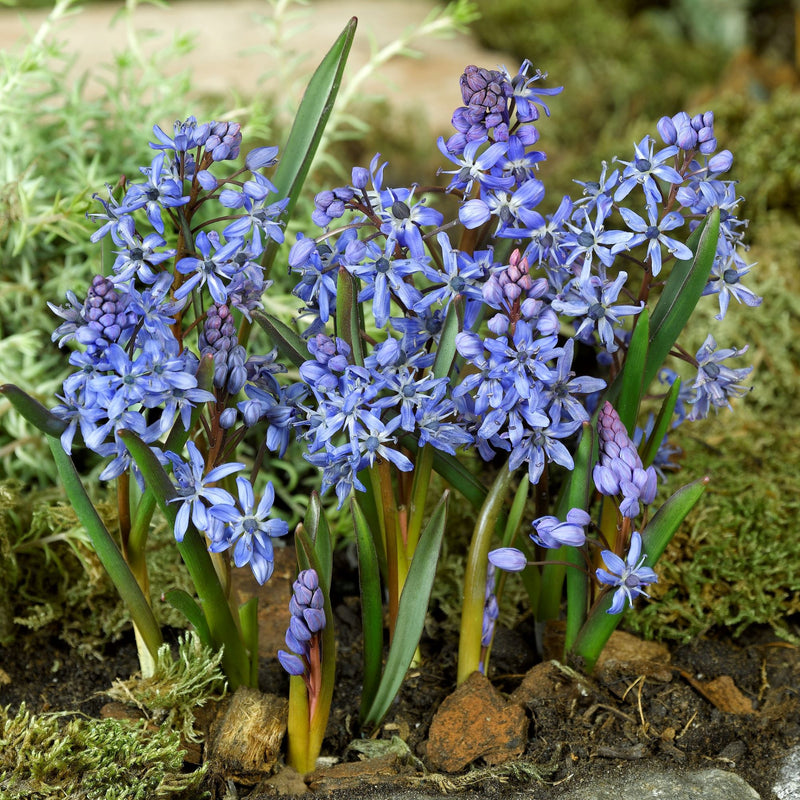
point(694, 712)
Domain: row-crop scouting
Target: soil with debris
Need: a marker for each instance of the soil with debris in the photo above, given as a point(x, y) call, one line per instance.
point(712, 703)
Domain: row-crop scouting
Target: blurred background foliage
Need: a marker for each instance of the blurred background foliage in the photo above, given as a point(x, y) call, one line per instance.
point(623, 63)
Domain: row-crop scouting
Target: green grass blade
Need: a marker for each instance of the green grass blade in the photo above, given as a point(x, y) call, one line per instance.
point(371, 608)
point(309, 124)
point(680, 295)
point(411, 613)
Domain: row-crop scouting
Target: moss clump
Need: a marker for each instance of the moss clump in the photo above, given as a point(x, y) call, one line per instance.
point(48, 756)
point(177, 686)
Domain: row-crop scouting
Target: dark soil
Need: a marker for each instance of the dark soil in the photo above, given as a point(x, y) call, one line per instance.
point(665, 718)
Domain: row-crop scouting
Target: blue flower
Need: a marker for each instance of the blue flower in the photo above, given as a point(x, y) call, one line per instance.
point(715, 383)
point(654, 234)
point(645, 168)
point(508, 559)
point(561, 385)
point(629, 576)
point(160, 190)
point(403, 219)
point(249, 529)
point(212, 268)
point(594, 301)
point(194, 489)
point(474, 167)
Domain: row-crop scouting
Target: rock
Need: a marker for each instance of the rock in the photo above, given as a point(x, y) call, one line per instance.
point(787, 787)
point(388, 768)
point(546, 681)
point(708, 784)
point(245, 741)
point(476, 722)
point(626, 654)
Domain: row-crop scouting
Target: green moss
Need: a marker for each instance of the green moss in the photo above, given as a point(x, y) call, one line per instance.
point(51, 756)
point(177, 686)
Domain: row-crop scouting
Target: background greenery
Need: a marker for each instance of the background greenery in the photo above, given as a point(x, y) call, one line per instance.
point(623, 64)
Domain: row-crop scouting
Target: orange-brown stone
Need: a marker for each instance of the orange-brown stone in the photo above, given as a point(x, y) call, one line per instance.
point(474, 722)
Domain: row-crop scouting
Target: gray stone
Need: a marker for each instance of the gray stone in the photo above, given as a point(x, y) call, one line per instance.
point(787, 787)
point(708, 784)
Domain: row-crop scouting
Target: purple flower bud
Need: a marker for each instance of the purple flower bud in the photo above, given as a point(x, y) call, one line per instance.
point(360, 177)
point(509, 559)
point(315, 619)
point(260, 157)
point(721, 162)
point(666, 129)
point(227, 419)
point(206, 180)
point(291, 663)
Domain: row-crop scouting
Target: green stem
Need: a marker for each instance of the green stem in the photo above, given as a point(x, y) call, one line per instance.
point(469, 647)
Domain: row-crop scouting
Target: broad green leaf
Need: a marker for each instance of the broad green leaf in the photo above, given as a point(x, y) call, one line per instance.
point(290, 344)
point(348, 325)
point(655, 537)
point(248, 619)
point(33, 411)
point(221, 623)
point(681, 292)
point(106, 549)
point(632, 387)
point(316, 523)
point(309, 124)
point(661, 425)
point(411, 613)
point(371, 608)
point(191, 609)
point(446, 351)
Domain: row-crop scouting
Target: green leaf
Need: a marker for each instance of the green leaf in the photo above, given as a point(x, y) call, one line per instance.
point(316, 523)
point(455, 473)
point(309, 124)
point(33, 411)
point(411, 613)
point(290, 344)
point(446, 351)
point(633, 386)
point(106, 549)
point(224, 631)
point(661, 426)
point(371, 608)
point(348, 326)
point(248, 619)
point(182, 601)
point(655, 537)
point(681, 292)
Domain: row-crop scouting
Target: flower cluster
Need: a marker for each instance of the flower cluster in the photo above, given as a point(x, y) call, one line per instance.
point(136, 366)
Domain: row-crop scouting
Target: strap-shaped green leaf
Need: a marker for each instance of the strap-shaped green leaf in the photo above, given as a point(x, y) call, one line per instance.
point(446, 351)
point(680, 295)
point(348, 326)
point(316, 523)
point(182, 601)
point(661, 426)
point(655, 538)
point(106, 549)
point(371, 608)
point(309, 124)
point(221, 623)
point(33, 411)
point(633, 387)
point(411, 613)
point(290, 344)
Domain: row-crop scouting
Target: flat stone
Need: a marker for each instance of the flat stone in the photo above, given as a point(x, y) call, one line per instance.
point(787, 787)
point(474, 722)
point(388, 768)
point(544, 682)
point(707, 784)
